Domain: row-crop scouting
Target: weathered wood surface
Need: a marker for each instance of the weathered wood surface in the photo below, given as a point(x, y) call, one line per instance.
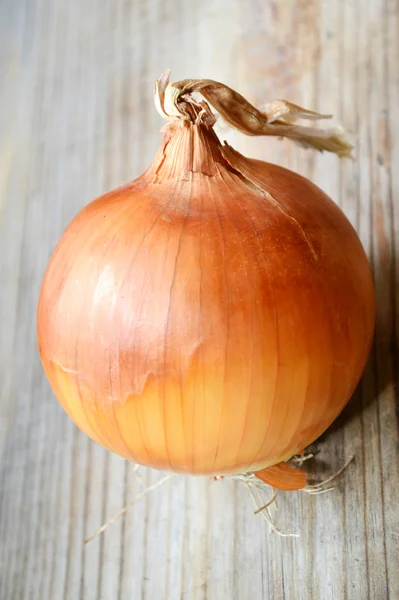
point(77, 119)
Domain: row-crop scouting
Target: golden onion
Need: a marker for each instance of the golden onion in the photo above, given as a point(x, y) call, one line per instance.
point(215, 315)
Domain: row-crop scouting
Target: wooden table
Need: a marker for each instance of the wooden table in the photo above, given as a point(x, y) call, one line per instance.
point(77, 119)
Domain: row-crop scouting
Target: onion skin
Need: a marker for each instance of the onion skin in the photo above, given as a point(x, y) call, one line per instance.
point(283, 476)
point(212, 317)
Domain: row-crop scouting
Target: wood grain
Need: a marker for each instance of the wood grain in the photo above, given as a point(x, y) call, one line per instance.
point(77, 119)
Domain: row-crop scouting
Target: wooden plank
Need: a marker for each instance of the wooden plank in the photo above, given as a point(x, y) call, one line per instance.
point(77, 119)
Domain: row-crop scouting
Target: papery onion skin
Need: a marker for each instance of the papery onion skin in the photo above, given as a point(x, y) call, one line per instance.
point(212, 317)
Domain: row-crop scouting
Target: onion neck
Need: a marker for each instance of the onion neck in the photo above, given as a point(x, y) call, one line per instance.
point(188, 148)
point(190, 144)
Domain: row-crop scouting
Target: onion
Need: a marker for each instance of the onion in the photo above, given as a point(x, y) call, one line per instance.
point(215, 315)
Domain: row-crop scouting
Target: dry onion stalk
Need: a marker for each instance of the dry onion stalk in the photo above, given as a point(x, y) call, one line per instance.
point(215, 315)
